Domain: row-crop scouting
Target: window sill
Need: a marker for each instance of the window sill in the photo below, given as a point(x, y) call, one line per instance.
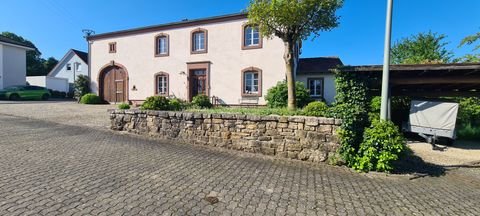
point(161, 55)
point(252, 47)
point(251, 95)
point(198, 52)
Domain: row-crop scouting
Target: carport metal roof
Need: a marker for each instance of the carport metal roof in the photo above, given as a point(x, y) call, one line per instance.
point(426, 80)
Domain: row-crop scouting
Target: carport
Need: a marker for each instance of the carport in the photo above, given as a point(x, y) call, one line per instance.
point(426, 80)
point(423, 81)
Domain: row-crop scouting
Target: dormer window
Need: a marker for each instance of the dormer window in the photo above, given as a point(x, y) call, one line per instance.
point(251, 37)
point(199, 41)
point(161, 45)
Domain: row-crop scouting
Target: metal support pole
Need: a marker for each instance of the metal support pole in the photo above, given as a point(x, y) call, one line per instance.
point(386, 63)
point(389, 103)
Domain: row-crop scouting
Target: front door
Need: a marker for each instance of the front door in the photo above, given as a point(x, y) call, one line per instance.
point(114, 85)
point(198, 82)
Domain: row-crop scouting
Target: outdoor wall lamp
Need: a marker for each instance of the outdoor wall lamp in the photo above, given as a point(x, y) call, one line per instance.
point(134, 88)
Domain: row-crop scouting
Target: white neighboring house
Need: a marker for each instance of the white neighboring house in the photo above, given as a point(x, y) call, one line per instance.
point(13, 62)
point(74, 63)
point(318, 76)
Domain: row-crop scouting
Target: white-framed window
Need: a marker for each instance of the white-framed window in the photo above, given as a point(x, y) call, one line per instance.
point(162, 84)
point(199, 41)
point(252, 36)
point(69, 66)
point(250, 85)
point(79, 67)
point(315, 86)
point(162, 45)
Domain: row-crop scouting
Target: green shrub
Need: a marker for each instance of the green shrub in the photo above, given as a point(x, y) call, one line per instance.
point(81, 86)
point(91, 99)
point(468, 132)
point(156, 103)
point(202, 101)
point(382, 145)
point(277, 96)
point(177, 104)
point(468, 119)
point(123, 106)
point(316, 108)
point(375, 106)
point(469, 112)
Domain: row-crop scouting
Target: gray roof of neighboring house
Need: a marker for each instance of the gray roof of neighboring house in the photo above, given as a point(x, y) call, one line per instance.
point(10, 41)
point(82, 55)
point(183, 23)
point(318, 65)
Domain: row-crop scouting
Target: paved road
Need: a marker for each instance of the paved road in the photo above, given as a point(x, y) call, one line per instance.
point(48, 168)
point(64, 112)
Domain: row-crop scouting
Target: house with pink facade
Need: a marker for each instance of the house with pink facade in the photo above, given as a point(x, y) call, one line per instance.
point(222, 57)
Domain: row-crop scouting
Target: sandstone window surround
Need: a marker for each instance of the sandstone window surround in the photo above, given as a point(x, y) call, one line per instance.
point(199, 41)
point(162, 45)
point(112, 47)
point(252, 82)
point(162, 84)
point(251, 37)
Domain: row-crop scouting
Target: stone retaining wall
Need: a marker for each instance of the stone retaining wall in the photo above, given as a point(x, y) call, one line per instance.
point(304, 138)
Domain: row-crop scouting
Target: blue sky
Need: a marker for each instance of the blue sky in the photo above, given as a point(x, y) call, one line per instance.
point(55, 25)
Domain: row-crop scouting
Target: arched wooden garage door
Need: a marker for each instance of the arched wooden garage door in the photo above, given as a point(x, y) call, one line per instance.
point(113, 84)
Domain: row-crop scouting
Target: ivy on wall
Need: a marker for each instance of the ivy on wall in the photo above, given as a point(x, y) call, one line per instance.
point(352, 105)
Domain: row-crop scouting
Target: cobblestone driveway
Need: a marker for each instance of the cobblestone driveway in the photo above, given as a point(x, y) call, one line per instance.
point(48, 168)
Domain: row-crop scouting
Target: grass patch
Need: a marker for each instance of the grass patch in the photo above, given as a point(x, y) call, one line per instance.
point(259, 111)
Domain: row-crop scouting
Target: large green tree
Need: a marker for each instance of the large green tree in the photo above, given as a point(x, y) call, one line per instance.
point(470, 40)
point(293, 21)
point(423, 48)
point(49, 64)
point(36, 65)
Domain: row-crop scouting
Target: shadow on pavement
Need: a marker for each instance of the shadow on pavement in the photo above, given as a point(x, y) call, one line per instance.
point(52, 100)
point(414, 165)
point(467, 144)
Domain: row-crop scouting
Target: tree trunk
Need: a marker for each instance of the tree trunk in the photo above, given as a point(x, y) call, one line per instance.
point(289, 63)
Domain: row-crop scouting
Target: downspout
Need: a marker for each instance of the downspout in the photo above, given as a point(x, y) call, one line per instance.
point(89, 62)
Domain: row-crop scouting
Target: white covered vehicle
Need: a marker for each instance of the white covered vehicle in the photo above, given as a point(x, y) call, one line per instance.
point(433, 119)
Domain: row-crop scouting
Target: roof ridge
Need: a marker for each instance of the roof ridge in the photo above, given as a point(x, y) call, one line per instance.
point(75, 50)
point(14, 42)
point(183, 22)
